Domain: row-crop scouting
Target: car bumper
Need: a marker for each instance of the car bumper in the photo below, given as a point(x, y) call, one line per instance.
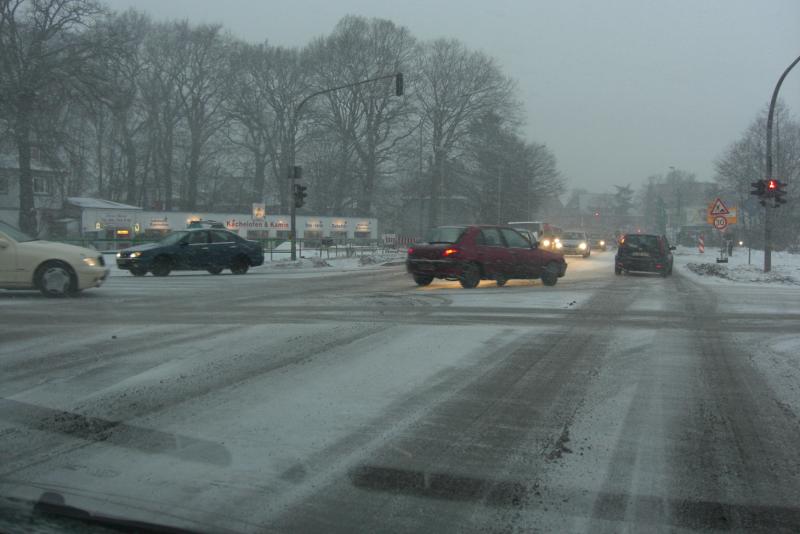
point(92, 277)
point(435, 268)
point(127, 263)
point(644, 265)
point(573, 251)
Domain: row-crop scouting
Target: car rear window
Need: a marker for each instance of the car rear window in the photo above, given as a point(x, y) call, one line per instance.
point(445, 234)
point(641, 243)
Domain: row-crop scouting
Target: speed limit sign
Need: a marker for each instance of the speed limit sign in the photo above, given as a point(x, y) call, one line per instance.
point(720, 222)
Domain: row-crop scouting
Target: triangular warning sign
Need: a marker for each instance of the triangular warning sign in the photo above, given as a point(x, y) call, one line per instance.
point(719, 208)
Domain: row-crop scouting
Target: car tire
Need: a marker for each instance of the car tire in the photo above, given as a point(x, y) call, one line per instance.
point(214, 270)
point(550, 274)
point(162, 266)
point(500, 281)
point(240, 265)
point(56, 279)
point(137, 271)
point(422, 279)
point(617, 271)
point(470, 276)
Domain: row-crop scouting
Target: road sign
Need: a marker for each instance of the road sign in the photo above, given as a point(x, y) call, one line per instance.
point(718, 207)
point(731, 216)
point(720, 222)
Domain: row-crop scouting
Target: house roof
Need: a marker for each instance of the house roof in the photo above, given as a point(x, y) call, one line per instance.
point(87, 202)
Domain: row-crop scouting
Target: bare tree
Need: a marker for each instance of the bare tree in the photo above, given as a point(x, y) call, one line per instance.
point(454, 87)
point(42, 53)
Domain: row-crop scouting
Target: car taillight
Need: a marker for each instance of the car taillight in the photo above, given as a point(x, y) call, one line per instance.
point(410, 251)
point(450, 252)
point(658, 266)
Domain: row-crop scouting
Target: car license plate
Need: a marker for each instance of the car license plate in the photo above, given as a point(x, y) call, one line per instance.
point(641, 254)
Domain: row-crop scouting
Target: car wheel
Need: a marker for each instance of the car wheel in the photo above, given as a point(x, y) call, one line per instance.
point(617, 271)
point(138, 271)
point(162, 266)
point(550, 274)
point(500, 281)
point(587, 254)
point(470, 276)
point(56, 279)
point(240, 265)
point(215, 270)
point(422, 279)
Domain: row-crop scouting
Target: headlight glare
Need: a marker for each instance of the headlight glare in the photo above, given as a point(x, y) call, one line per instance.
point(91, 262)
point(136, 254)
point(582, 246)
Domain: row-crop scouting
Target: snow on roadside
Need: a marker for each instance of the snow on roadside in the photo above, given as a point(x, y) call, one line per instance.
point(704, 267)
point(310, 261)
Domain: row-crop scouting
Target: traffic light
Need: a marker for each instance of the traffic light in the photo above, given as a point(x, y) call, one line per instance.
point(780, 192)
point(398, 84)
point(772, 187)
point(759, 188)
point(299, 195)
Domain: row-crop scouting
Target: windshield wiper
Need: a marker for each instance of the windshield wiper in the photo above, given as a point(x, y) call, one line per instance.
point(53, 504)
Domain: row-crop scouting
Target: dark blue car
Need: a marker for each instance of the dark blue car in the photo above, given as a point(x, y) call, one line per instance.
point(211, 250)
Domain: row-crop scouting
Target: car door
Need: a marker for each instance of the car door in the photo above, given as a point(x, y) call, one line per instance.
point(194, 255)
point(8, 261)
point(493, 254)
point(521, 253)
point(223, 248)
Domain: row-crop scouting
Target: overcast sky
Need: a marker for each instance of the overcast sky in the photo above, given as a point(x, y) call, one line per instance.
point(618, 89)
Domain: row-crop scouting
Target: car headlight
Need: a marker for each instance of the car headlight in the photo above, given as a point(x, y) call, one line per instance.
point(546, 243)
point(119, 254)
point(602, 243)
point(559, 245)
point(91, 262)
point(582, 246)
point(136, 254)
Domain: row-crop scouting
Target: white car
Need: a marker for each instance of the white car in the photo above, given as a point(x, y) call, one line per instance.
point(55, 269)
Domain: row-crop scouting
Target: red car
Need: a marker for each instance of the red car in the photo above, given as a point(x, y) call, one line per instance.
point(470, 254)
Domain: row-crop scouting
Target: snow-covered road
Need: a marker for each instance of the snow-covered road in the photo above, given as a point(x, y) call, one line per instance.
point(344, 398)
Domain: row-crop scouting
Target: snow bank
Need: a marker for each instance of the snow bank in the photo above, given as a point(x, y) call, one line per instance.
point(704, 267)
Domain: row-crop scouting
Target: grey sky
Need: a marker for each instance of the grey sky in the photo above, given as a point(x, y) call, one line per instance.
point(618, 90)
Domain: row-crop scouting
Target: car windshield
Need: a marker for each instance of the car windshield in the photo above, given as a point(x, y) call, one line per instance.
point(173, 238)
point(573, 235)
point(323, 265)
point(445, 234)
point(14, 233)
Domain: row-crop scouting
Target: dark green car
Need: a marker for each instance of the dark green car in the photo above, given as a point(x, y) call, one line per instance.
point(203, 249)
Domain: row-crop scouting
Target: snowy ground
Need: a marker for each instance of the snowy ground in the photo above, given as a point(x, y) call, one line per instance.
point(345, 398)
point(704, 267)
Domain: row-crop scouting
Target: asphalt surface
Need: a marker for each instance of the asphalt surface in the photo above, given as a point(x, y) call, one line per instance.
point(358, 402)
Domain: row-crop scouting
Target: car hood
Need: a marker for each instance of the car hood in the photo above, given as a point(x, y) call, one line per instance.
point(573, 241)
point(51, 247)
point(142, 247)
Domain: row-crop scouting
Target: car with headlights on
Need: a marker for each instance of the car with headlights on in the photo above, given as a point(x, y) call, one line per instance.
point(55, 269)
point(473, 253)
point(199, 249)
point(576, 243)
point(598, 242)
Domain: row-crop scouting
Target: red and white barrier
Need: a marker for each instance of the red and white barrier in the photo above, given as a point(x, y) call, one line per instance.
point(701, 244)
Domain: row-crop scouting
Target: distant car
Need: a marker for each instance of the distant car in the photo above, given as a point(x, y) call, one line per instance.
point(550, 242)
point(598, 243)
point(576, 242)
point(644, 253)
point(55, 269)
point(470, 254)
point(211, 250)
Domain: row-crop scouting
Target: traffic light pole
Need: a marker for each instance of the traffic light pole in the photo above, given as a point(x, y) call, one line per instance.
point(398, 77)
point(767, 217)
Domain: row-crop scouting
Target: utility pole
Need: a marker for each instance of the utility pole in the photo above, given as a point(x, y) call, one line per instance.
point(293, 175)
point(768, 173)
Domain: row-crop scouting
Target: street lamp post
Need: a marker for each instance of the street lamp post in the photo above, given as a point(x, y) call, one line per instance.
point(293, 174)
point(767, 222)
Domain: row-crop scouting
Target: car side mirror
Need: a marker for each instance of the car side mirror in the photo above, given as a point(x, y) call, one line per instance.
point(672, 248)
point(534, 245)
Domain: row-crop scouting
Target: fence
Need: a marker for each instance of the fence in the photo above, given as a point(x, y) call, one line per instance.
point(274, 248)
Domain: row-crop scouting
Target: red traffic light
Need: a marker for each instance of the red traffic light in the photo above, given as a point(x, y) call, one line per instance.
point(772, 185)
